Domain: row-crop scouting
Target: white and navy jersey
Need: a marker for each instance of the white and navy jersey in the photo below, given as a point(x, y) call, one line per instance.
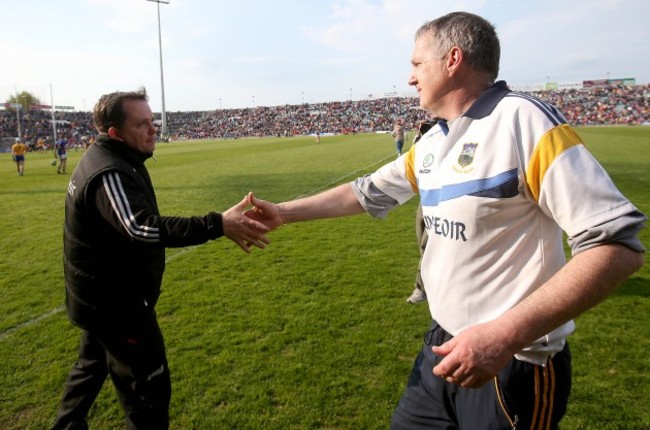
point(497, 186)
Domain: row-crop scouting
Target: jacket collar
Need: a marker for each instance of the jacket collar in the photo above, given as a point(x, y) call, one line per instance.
point(122, 149)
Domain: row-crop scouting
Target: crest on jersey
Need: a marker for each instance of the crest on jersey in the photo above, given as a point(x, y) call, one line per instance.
point(428, 161)
point(466, 156)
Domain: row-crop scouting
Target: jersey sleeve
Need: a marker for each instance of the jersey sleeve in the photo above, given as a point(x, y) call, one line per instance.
point(576, 191)
point(122, 204)
point(389, 186)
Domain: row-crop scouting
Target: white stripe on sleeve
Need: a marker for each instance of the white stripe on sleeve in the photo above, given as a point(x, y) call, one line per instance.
point(122, 208)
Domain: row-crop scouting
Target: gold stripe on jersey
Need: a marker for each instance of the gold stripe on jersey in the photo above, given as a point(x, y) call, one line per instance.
point(409, 164)
point(550, 146)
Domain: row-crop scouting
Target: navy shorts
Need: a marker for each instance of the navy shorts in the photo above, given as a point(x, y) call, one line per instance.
point(521, 396)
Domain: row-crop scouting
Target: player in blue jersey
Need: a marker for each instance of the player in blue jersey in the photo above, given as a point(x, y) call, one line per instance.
point(61, 152)
point(499, 182)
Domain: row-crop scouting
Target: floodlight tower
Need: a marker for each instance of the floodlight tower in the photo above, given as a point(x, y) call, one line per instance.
point(163, 132)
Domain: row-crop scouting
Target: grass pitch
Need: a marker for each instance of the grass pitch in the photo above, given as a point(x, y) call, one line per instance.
point(313, 332)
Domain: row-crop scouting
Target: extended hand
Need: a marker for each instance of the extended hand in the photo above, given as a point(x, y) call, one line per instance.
point(264, 212)
point(243, 230)
point(473, 357)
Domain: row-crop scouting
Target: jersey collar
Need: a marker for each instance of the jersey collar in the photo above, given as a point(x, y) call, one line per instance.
point(485, 104)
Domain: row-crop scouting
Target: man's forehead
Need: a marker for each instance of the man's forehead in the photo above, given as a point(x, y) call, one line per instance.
point(135, 104)
point(425, 41)
point(423, 48)
point(137, 109)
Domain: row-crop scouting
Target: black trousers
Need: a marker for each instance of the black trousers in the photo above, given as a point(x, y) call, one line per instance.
point(134, 356)
point(521, 396)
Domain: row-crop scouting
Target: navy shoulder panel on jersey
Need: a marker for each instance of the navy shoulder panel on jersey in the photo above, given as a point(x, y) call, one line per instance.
point(549, 110)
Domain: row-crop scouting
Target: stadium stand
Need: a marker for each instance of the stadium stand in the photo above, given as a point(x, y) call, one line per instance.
point(590, 106)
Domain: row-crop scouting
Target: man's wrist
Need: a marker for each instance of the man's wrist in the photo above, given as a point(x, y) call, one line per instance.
point(214, 225)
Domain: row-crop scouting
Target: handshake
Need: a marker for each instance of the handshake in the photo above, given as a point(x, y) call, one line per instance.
point(247, 222)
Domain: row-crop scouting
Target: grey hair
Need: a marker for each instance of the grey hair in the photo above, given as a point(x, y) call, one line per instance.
point(474, 35)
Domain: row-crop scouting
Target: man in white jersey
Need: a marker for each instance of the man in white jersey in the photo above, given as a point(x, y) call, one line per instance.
point(499, 182)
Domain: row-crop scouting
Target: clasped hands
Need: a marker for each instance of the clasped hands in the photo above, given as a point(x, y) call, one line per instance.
point(247, 226)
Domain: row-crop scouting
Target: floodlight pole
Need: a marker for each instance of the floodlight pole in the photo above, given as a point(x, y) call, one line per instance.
point(53, 116)
point(18, 106)
point(163, 132)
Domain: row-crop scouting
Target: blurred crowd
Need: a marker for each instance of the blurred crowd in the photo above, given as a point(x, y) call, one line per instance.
point(593, 106)
point(602, 105)
point(36, 127)
point(347, 117)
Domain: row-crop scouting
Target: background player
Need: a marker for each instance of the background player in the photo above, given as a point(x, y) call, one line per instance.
point(18, 151)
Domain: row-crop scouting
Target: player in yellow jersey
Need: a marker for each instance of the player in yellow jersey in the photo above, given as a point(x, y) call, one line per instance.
point(18, 151)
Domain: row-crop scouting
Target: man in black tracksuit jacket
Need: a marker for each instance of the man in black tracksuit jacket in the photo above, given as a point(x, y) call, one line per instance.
point(114, 259)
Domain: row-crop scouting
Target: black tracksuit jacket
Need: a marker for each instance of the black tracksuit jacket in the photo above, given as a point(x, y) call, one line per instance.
point(114, 237)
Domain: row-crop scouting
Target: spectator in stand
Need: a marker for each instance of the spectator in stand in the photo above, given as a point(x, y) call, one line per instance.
point(587, 106)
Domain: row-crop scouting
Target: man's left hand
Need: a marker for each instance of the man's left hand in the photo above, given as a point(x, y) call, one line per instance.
point(473, 357)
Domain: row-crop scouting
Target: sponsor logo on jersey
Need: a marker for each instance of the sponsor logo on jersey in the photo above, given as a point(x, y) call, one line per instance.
point(450, 229)
point(427, 162)
point(466, 158)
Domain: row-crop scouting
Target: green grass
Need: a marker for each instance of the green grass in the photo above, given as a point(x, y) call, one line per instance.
point(314, 331)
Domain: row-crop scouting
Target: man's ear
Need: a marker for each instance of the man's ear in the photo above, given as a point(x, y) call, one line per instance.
point(113, 133)
point(454, 59)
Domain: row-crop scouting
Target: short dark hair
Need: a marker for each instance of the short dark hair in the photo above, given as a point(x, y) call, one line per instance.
point(109, 110)
point(474, 35)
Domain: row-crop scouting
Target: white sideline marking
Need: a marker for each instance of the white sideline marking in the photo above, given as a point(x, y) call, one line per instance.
point(335, 181)
point(5, 334)
point(8, 332)
point(11, 330)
